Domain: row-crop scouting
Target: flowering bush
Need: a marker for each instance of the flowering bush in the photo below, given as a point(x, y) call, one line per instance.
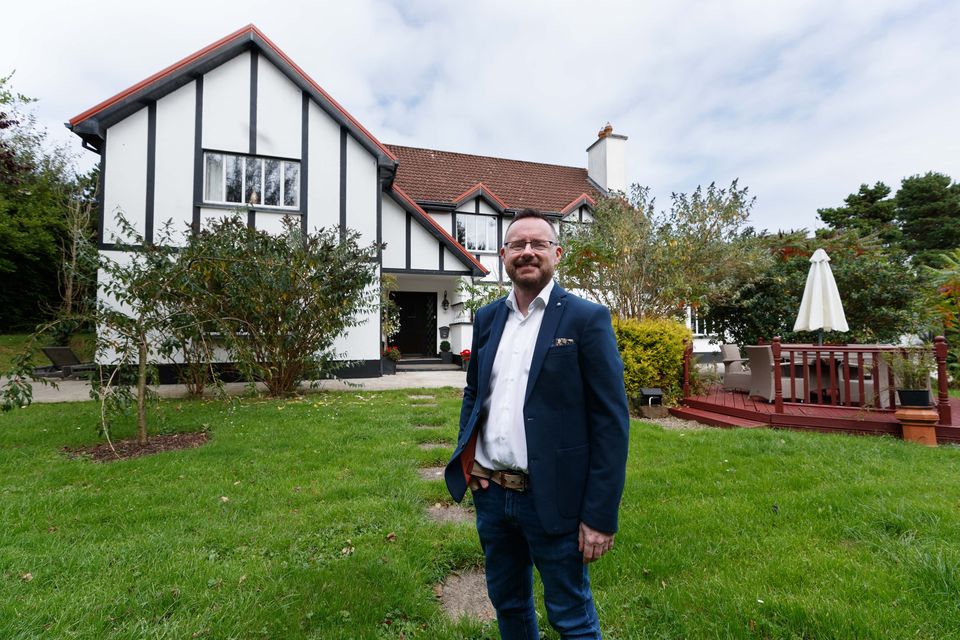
point(465, 354)
point(392, 353)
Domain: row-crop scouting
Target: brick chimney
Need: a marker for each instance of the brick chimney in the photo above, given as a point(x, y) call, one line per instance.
point(607, 160)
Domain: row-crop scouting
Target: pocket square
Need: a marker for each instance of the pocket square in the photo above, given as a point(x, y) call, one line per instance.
point(563, 342)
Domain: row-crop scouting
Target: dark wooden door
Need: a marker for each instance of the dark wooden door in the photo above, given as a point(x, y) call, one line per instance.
point(418, 323)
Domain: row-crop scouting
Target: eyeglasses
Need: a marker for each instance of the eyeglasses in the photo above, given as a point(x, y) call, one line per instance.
point(517, 246)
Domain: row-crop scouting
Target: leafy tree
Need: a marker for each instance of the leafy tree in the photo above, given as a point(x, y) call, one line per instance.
point(946, 278)
point(389, 309)
point(36, 188)
point(882, 296)
point(928, 210)
point(146, 291)
point(478, 294)
point(870, 211)
point(279, 301)
point(643, 264)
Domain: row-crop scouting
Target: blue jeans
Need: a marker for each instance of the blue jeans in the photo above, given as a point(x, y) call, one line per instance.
point(513, 541)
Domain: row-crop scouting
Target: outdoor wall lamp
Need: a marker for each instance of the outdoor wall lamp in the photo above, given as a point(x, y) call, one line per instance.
point(446, 303)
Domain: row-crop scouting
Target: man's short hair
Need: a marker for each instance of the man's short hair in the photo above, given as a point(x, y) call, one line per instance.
point(532, 213)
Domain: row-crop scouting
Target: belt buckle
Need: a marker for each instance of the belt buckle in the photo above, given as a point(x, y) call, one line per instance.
point(514, 482)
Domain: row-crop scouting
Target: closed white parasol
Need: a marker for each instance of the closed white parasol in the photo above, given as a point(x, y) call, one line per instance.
point(821, 308)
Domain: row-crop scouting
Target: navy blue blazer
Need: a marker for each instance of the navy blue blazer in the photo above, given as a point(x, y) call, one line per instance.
point(575, 412)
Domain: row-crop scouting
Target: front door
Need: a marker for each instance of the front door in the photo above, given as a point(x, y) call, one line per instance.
point(418, 323)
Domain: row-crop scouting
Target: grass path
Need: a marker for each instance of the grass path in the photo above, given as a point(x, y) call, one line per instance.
point(306, 519)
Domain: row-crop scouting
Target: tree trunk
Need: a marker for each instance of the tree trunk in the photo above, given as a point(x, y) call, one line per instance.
point(142, 390)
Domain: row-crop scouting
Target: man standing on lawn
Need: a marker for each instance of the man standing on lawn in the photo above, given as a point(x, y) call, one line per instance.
point(543, 439)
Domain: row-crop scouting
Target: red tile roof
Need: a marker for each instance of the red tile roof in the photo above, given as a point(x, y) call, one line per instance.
point(443, 176)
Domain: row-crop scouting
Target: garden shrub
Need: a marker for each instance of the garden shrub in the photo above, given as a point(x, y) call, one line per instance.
point(652, 352)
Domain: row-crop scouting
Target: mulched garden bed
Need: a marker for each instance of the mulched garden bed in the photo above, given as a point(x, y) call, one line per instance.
point(126, 449)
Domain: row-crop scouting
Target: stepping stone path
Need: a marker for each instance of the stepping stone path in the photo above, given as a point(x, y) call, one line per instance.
point(418, 401)
point(464, 593)
point(431, 473)
point(428, 446)
point(441, 512)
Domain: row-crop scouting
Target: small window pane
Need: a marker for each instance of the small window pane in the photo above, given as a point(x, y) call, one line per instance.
point(291, 184)
point(254, 175)
point(492, 233)
point(462, 232)
point(271, 183)
point(234, 168)
point(213, 183)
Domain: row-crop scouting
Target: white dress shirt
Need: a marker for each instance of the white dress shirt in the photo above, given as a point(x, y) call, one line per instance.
point(503, 443)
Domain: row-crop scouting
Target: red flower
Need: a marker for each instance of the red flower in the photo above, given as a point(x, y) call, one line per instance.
point(465, 354)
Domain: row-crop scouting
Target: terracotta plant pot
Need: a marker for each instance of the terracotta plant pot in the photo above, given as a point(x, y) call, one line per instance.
point(919, 425)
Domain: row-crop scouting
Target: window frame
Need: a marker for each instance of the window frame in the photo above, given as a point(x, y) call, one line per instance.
point(282, 196)
point(475, 218)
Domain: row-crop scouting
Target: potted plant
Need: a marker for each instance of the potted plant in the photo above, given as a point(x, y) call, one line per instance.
point(389, 359)
point(911, 371)
point(465, 358)
point(445, 356)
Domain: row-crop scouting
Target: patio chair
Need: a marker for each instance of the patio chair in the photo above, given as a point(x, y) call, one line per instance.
point(882, 372)
point(65, 363)
point(762, 371)
point(736, 373)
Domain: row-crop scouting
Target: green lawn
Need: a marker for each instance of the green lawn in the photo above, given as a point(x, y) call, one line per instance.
point(724, 533)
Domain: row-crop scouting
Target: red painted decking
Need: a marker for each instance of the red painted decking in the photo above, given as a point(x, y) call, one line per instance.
point(731, 408)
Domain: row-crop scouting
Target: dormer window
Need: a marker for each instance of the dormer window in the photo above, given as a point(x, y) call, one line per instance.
point(478, 232)
point(254, 180)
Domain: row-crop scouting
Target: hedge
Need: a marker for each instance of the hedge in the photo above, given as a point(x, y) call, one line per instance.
point(652, 352)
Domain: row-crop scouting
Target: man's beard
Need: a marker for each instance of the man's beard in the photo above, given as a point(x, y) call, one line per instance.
point(529, 282)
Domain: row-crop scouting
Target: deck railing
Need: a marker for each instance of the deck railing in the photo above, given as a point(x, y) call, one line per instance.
point(855, 375)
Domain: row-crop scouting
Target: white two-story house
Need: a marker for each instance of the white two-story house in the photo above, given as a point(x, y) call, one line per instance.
point(239, 124)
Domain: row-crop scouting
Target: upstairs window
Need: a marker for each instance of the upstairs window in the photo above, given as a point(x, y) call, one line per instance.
point(478, 233)
point(265, 182)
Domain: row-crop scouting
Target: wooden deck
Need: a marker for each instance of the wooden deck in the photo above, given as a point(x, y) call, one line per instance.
point(732, 408)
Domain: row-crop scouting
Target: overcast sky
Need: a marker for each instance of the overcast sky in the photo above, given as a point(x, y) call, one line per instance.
point(802, 101)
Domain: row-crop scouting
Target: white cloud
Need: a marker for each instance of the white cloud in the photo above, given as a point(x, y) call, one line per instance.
point(802, 100)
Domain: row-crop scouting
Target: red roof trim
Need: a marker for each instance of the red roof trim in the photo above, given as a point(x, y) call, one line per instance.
point(396, 189)
point(583, 198)
point(247, 30)
point(482, 188)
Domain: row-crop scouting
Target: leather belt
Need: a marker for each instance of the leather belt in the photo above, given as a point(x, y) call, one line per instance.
point(514, 480)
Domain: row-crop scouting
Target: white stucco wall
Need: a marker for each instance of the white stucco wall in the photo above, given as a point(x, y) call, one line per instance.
point(273, 222)
point(394, 234)
point(323, 207)
point(424, 253)
point(226, 106)
point(486, 208)
point(125, 178)
point(279, 112)
point(445, 220)
point(173, 192)
point(209, 214)
point(362, 187)
point(363, 342)
point(451, 262)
